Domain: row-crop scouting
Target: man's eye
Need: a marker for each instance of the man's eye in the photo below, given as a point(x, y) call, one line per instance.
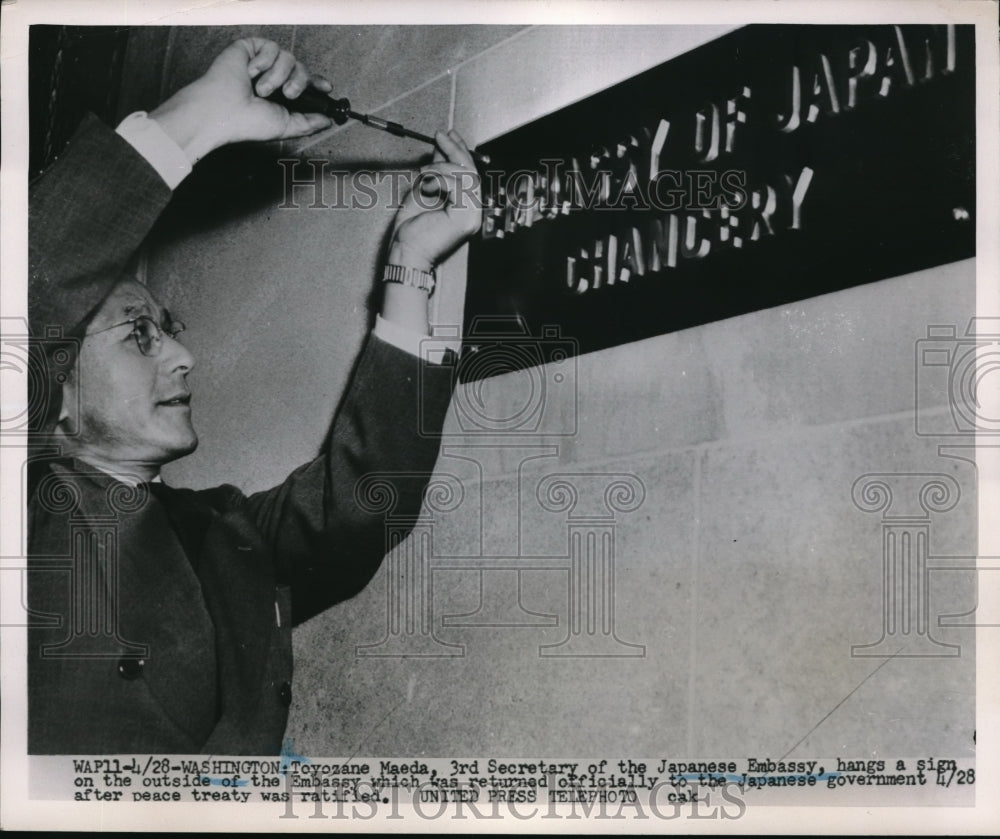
point(143, 328)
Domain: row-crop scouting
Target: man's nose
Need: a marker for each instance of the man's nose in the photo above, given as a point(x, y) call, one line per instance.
point(176, 356)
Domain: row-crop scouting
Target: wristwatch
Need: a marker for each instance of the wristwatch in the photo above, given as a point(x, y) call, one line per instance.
point(410, 276)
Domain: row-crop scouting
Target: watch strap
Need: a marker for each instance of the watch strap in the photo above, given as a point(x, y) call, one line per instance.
point(405, 275)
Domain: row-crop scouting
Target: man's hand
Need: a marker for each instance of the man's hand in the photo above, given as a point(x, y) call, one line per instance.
point(441, 211)
point(225, 105)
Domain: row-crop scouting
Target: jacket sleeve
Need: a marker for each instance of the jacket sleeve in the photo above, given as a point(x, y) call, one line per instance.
point(326, 523)
point(87, 214)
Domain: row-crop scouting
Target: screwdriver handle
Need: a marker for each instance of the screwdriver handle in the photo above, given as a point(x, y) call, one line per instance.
point(313, 101)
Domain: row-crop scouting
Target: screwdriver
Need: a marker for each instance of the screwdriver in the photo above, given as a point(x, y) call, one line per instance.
point(312, 101)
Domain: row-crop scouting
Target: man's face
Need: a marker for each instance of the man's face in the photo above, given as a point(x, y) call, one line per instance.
point(126, 409)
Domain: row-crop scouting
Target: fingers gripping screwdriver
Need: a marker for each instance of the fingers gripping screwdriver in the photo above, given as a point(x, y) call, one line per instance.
point(312, 101)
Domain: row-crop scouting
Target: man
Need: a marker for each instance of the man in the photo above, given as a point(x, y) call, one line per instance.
point(162, 617)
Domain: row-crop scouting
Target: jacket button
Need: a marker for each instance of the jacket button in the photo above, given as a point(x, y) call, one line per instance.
point(131, 668)
point(285, 693)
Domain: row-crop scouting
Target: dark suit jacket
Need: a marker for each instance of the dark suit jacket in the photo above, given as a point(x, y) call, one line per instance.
point(202, 589)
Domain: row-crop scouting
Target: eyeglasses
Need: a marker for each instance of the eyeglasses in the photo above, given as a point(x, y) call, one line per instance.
point(147, 332)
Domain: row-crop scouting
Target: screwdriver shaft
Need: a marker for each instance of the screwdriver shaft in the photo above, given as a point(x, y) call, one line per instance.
point(339, 110)
point(402, 131)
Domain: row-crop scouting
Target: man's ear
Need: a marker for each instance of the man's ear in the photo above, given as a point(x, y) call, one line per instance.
point(67, 422)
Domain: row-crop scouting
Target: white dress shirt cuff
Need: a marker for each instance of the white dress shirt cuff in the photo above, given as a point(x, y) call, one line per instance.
point(154, 144)
point(408, 340)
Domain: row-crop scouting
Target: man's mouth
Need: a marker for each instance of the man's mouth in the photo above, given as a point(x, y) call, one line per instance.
point(183, 399)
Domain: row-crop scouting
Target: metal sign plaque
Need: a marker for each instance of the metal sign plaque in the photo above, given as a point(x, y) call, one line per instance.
point(774, 164)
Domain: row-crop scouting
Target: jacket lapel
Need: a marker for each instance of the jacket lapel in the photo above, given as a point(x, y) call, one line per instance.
point(153, 594)
point(189, 571)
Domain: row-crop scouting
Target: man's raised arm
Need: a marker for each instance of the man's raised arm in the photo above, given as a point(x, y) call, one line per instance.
point(328, 542)
point(92, 208)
